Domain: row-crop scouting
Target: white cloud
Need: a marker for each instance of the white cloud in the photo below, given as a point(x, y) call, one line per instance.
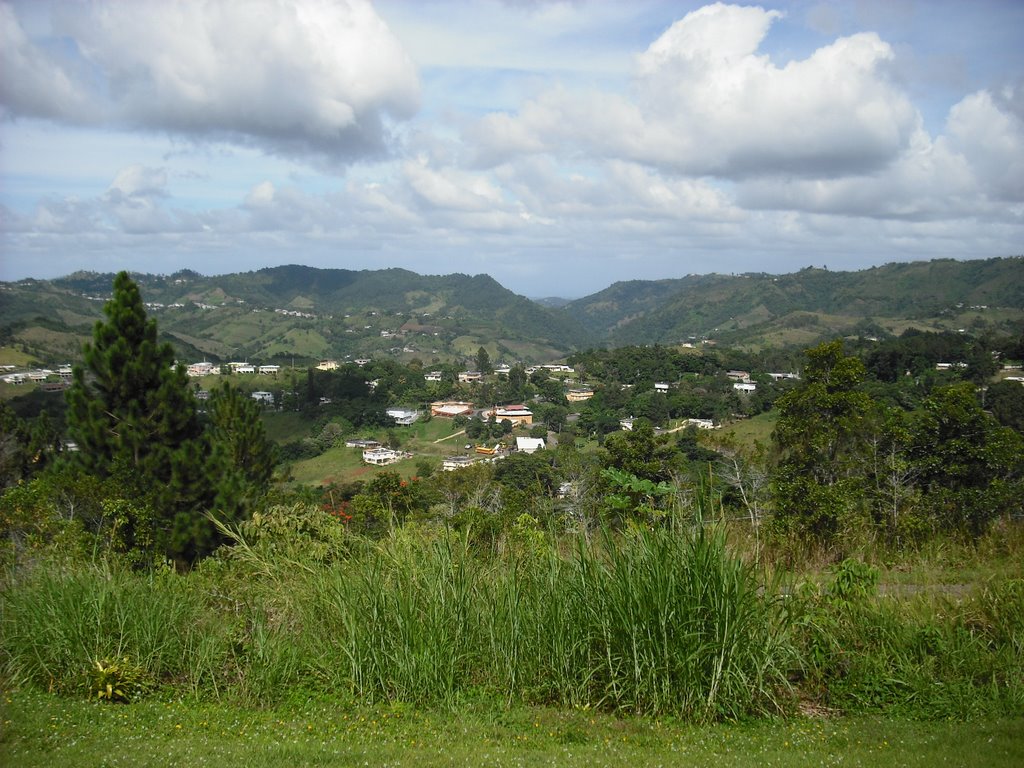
point(451, 189)
point(706, 102)
point(991, 137)
point(970, 172)
point(31, 84)
point(926, 182)
point(138, 180)
point(312, 78)
point(617, 140)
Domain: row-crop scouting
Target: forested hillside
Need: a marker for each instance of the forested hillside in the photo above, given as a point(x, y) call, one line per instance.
point(301, 312)
point(770, 310)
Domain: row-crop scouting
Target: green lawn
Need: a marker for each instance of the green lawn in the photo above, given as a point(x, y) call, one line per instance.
point(759, 428)
point(13, 356)
point(43, 730)
point(343, 464)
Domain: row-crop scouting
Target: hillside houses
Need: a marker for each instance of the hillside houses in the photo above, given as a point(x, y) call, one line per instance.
point(451, 463)
point(382, 457)
point(517, 414)
point(529, 444)
point(202, 369)
point(403, 417)
point(451, 408)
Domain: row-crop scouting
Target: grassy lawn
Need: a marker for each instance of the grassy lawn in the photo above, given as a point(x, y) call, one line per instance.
point(339, 464)
point(43, 730)
point(759, 428)
point(343, 464)
point(13, 356)
point(8, 391)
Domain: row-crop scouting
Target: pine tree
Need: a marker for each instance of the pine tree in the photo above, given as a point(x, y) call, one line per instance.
point(134, 407)
point(241, 458)
point(132, 414)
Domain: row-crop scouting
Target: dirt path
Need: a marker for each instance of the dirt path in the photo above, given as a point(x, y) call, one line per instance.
point(449, 437)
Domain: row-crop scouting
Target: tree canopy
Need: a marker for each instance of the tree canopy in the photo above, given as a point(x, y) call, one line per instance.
point(134, 419)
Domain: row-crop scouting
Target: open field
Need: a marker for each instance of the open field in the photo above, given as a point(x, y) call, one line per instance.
point(12, 356)
point(42, 730)
point(335, 465)
point(756, 429)
point(341, 464)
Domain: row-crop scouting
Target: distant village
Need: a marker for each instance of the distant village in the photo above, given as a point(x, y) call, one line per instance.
point(374, 453)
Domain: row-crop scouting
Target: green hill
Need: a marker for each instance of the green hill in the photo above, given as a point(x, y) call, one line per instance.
point(768, 310)
point(301, 312)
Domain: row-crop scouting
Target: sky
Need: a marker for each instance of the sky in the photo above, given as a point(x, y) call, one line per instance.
point(557, 146)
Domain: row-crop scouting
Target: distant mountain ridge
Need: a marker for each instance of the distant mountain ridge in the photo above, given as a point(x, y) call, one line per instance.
point(748, 306)
point(306, 312)
point(309, 312)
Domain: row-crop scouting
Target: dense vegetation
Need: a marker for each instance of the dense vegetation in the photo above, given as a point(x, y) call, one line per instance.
point(748, 308)
point(645, 571)
point(300, 314)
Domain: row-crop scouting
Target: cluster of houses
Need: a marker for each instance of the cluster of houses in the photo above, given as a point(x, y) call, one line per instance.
point(375, 454)
point(741, 381)
point(518, 414)
point(47, 378)
point(205, 368)
point(475, 377)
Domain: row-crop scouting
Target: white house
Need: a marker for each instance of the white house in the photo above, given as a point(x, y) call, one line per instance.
point(269, 370)
point(403, 417)
point(457, 462)
point(745, 387)
point(661, 386)
point(529, 444)
point(381, 457)
point(432, 376)
point(263, 397)
point(364, 444)
point(201, 369)
point(701, 423)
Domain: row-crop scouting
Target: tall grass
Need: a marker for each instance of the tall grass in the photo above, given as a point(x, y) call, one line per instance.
point(663, 621)
point(56, 623)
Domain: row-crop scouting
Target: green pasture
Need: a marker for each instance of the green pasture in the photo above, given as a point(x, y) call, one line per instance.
point(41, 730)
